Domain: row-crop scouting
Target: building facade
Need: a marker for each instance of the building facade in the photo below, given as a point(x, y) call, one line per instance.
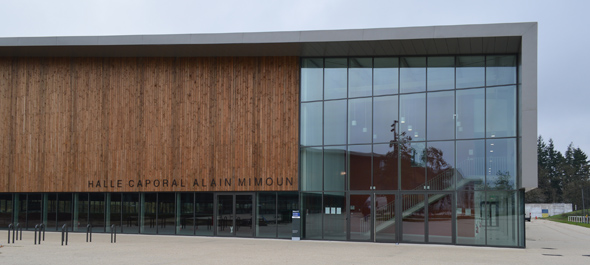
point(417, 135)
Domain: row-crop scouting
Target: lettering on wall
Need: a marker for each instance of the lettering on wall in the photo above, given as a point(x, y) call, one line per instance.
point(195, 184)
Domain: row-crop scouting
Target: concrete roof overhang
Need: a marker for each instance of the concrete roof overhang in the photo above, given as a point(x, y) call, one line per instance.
point(433, 40)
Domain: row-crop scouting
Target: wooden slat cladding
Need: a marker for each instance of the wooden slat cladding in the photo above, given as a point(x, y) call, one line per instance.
point(149, 124)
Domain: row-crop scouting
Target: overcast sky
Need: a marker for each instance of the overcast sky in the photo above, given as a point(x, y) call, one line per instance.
point(564, 37)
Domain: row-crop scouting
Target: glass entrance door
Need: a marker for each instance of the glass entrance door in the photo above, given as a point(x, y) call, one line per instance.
point(372, 217)
point(427, 217)
point(234, 215)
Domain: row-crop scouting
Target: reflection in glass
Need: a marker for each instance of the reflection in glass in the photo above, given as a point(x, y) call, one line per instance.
point(440, 163)
point(471, 165)
point(335, 122)
point(244, 216)
point(359, 121)
point(360, 77)
point(501, 70)
point(166, 216)
point(113, 211)
point(204, 214)
point(148, 213)
point(312, 215)
point(441, 115)
point(385, 167)
point(385, 75)
point(385, 218)
point(6, 209)
point(80, 211)
point(470, 71)
point(384, 117)
point(311, 123)
point(470, 113)
point(502, 218)
point(440, 228)
point(335, 78)
point(186, 220)
point(130, 204)
point(470, 221)
point(412, 74)
point(413, 162)
point(335, 216)
point(413, 117)
point(311, 169)
point(501, 164)
point(441, 73)
point(266, 215)
point(359, 161)
point(64, 210)
point(501, 111)
point(335, 168)
point(225, 215)
point(361, 217)
point(50, 217)
point(312, 79)
point(288, 201)
point(414, 216)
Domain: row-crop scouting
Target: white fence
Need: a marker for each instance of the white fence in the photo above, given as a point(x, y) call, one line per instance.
point(578, 219)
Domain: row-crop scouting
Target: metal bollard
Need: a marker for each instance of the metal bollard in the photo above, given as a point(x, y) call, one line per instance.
point(64, 232)
point(88, 230)
point(18, 227)
point(36, 226)
point(10, 226)
point(113, 232)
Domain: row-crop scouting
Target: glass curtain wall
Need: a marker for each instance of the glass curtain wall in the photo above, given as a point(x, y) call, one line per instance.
point(437, 123)
point(6, 210)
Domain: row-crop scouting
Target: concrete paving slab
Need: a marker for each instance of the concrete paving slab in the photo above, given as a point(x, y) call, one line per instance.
point(547, 243)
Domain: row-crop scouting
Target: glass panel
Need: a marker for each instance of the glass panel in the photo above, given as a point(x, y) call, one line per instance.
point(312, 214)
point(335, 168)
point(266, 215)
point(148, 213)
point(187, 221)
point(50, 212)
point(312, 79)
point(440, 171)
point(470, 113)
point(80, 211)
point(359, 121)
point(470, 71)
point(64, 210)
point(5, 209)
point(385, 218)
point(360, 77)
point(441, 119)
point(502, 218)
point(20, 206)
point(470, 221)
point(501, 162)
point(413, 218)
point(359, 164)
point(441, 73)
point(335, 216)
point(471, 165)
point(96, 210)
point(114, 211)
point(288, 201)
point(501, 111)
point(34, 210)
point(335, 122)
point(501, 70)
point(412, 74)
point(166, 216)
point(311, 123)
point(385, 119)
point(413, 117)
point(311, 169)
point(204, 214)
point(385, 166)
point(360, 217)
point(335, 78)
point(413, 164)
point(440, 225)
point(131, 207)
point(244, 215)
point(225, 215)
point(385, 76)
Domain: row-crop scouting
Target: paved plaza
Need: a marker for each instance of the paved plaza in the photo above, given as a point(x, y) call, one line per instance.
point(547, 243)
